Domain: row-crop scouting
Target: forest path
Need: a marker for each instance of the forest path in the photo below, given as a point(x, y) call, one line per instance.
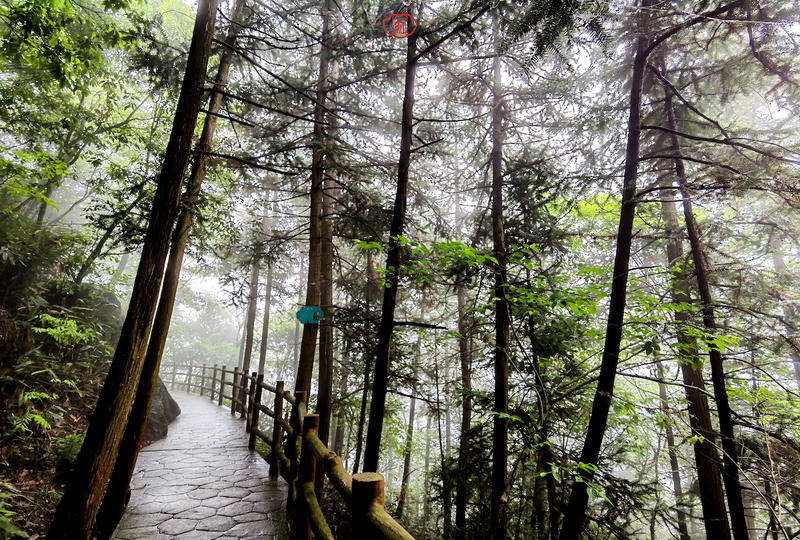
point(202, 482)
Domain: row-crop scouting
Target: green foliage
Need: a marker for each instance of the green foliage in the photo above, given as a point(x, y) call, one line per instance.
point(548, 23)
point(62, 38)
point(7, 528)
point(64, 331)
point(23, 172)
point(69, 447)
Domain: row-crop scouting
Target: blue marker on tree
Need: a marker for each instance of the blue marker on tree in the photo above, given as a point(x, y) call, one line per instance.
point(310, 314)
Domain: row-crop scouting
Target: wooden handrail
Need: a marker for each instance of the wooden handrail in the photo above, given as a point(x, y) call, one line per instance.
point(363, 493)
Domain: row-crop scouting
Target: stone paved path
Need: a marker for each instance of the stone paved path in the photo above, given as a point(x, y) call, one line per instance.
point(202, 482)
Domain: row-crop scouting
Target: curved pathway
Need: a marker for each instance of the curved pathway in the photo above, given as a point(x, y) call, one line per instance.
point(202, 482)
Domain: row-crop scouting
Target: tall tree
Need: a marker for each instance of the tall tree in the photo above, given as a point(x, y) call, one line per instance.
point(308, 344)
point(464, 355)
point(712, 498)
point(499, 496)
point(672, 452)
point(76, 512)
point(264, 346)
point(116, 493)
point(394, 253)
point(401, 499)
point(393, 261)
point(730, 465)
point(249, 323)
point(604, 391)
point(369, 294)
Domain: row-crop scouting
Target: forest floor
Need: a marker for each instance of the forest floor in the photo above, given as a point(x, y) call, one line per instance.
point(35, 463)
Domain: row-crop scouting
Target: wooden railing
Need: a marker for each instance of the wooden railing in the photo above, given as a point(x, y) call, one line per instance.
point(296, 459)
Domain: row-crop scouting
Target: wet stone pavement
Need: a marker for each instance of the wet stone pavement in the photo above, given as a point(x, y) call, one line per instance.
point(202, 482)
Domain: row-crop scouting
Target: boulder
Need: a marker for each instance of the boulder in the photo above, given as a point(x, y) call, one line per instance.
point(163, 411)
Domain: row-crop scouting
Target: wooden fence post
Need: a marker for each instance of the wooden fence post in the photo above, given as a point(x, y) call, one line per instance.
point(277, 432)
point(233, 390)
point(174, 371)
point(221, 386)
point(292, 447)
point(251, 392)
point(189, 378)
point(367, 492)
point(251, 444)
point(307, 473)
point(213, 383)
point(203, 380)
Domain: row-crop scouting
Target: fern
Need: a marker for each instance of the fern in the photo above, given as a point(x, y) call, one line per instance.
point(7, 527)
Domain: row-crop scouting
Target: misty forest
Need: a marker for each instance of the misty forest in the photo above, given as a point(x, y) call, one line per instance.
point(447, 269)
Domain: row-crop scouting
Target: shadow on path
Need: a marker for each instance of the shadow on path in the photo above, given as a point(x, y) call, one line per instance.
point(202, 482)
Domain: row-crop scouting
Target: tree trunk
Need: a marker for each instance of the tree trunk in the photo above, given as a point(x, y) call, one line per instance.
point(48, 192)
point(579, 497)
point(297, 333)
point(730, 465)
point(308, 344)
point(262, 353)
point(380, 378)
point(338, 434)
point(499, 496)
point(426, 481)
point(401, 500)
point(545, 506)
point(249, 327)
point(447, 525)
point(76, 512)
point(368, 294)
point(267, 229)
point(116, 494)
point(673, 455)
point(326, 327)
point(241, 342)
point(712, 498)
point(466, 412)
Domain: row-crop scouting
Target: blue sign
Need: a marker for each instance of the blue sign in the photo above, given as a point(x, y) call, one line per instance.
point(310, 314)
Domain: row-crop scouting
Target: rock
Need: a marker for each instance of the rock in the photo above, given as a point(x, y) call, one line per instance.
point(163, 411)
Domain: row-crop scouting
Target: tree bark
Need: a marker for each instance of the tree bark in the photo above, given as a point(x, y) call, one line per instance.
point(401, 500)
point(267, 226)
point(712, 498)
point(338, 434)
point(114, 501)
point(308, 343)
point(730, 466)
point(579, 497)
point(326, 327)
point(76, 512)
point(466, 412)
point(426, 505)
point(545, 505)
point(499, 496)
point(249, 326)
point(673, 455)
point(368, 294)
point(393, 261)
point(262, 353)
